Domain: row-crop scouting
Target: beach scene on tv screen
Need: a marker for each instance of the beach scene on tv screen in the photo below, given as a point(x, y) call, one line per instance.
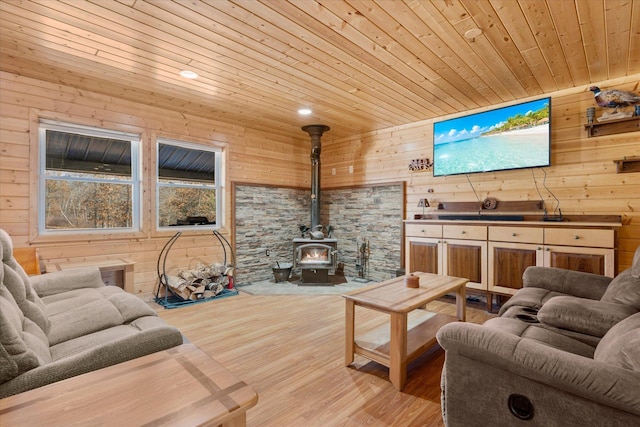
point(507, 138)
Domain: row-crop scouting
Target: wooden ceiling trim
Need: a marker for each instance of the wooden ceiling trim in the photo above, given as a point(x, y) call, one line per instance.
point(355, 35)
point(539, 20)
point(344, 37)
point(274, 126)
point(565, 20)
point(310, 75)
point(361, 65)
point(373, 81)
point(486, 15)
point(594, 38)
point(518, 30)
point(634, 42)
point(617, 24)
point(332, 101)
point(383, 29)
point(442, 39)
point(64, 59)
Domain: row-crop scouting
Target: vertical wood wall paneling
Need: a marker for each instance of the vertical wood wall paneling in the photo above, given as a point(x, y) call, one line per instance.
point(582, 176)
point(252, 155)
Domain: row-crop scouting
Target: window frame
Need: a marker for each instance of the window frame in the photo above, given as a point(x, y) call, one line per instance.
point(218, 185)
point(135, 180)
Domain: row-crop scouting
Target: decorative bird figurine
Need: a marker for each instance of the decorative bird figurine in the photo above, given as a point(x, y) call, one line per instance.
point(614, 98)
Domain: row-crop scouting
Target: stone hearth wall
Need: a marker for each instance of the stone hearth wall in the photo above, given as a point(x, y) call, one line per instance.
point(268, 218)
point(371, 213)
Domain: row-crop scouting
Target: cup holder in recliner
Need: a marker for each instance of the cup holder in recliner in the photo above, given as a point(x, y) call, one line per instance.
point(529, 318)
point(530, 310)
point(520, 406)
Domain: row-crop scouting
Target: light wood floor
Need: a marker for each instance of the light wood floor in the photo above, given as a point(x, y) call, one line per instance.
point(290, 349)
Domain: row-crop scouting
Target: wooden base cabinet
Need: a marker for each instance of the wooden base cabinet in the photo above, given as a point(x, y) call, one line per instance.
point(513, 249)
point(450, 250)
point(493, 256)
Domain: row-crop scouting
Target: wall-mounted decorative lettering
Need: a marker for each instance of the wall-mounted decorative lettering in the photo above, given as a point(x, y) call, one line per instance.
point(420, 165)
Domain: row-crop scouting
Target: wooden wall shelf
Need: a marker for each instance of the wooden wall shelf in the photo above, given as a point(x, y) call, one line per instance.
point(628, 164)
point(610, 127)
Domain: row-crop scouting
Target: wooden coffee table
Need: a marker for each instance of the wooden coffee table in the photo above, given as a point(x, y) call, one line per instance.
point(178, 386)
point(412, 331)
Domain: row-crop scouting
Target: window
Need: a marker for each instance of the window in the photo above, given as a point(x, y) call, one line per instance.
point(89, 179)
point(188, 186)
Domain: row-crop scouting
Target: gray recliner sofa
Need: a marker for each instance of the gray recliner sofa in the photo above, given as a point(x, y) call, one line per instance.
point(67, 323)
point(565, 351)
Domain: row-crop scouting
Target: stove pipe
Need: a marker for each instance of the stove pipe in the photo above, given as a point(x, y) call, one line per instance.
point(315, 132)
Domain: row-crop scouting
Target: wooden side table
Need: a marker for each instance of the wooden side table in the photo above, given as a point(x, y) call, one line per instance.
point(178, 386)
point(115, 272)
point(412, 331)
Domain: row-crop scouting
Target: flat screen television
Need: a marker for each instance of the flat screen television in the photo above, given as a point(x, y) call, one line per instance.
point(514, 137)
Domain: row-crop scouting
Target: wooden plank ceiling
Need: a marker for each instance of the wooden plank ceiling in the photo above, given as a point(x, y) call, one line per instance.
point(361, 65)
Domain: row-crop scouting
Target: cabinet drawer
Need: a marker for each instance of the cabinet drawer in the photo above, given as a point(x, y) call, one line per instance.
point(471, 232)
point(423, 230)
point(516, 234)
point(579, 237)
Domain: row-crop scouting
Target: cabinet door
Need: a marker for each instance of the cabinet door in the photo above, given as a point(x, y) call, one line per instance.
point(507, 262)
point(589, 260)
point(423, 254)
point(468, 259)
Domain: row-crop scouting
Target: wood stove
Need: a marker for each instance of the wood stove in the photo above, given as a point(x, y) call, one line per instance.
point(314, 258)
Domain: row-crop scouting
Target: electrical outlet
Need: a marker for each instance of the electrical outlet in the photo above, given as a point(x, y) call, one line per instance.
point(351, 169)
point(268, 252)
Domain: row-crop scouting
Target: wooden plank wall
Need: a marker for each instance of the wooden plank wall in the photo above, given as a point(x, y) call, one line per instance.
point(251, 156)
point(582, 176)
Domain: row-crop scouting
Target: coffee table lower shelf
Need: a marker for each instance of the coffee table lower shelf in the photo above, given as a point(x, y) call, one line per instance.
point(422, 326)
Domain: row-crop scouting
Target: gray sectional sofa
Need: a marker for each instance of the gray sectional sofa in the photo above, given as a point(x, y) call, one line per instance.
point(565, 351)
point(58, 325)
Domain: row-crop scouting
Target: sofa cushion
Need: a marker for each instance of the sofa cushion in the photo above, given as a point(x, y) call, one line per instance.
point(68, 280)
point(113, 336)
point(84, 311)
point(621, 345)
point(83, 319)
point(624, 289)
point(583, 315)
point(129, 306)
point(541, 335)
point(529, 297)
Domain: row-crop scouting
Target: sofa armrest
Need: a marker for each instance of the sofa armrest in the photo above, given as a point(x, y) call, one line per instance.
point(583, 315)
point(66, 280)
point(576, 283)
point(557, 369)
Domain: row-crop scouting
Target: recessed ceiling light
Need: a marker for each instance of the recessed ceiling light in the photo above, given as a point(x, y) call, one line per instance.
point(472, 33)
point(304, 111)
point(187, 74)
